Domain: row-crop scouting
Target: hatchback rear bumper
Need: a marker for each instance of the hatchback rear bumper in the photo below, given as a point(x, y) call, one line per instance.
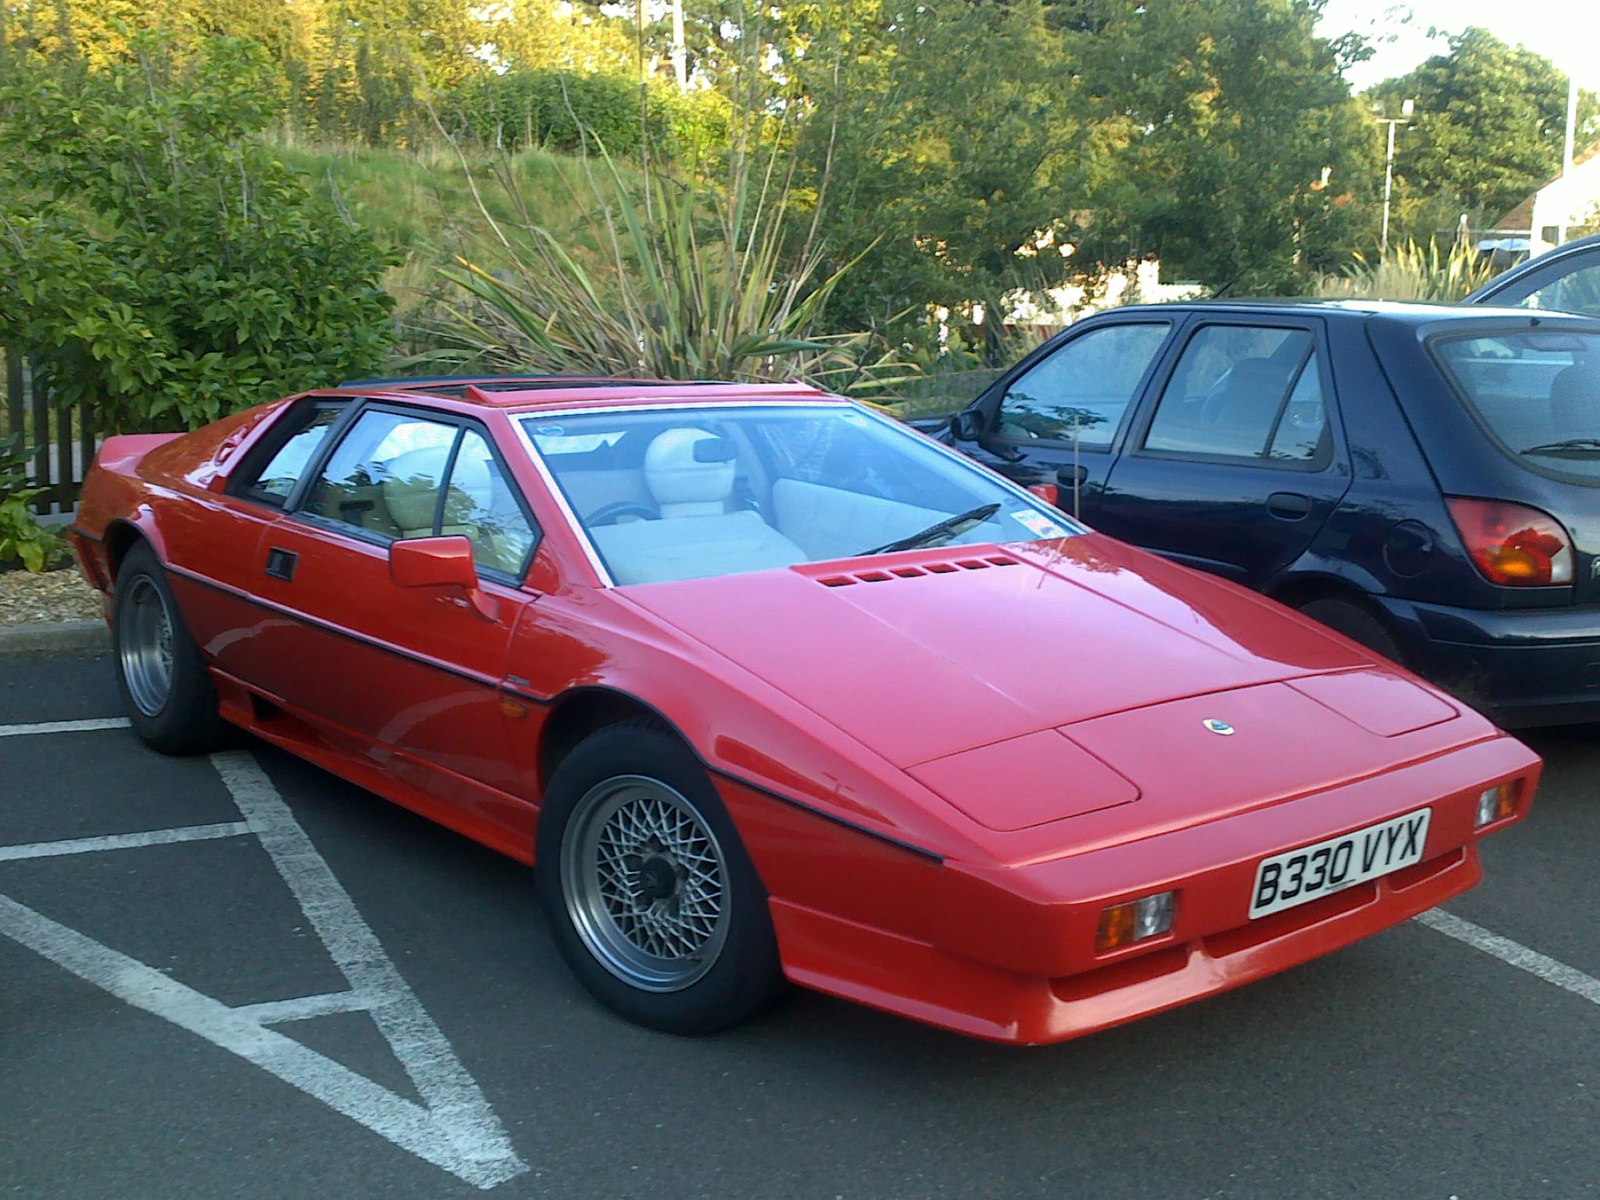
point(1526, 666)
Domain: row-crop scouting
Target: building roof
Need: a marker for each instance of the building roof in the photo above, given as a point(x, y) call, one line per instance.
point(1521, 217)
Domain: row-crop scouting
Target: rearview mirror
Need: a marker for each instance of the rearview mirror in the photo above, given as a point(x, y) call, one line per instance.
point(440, 562)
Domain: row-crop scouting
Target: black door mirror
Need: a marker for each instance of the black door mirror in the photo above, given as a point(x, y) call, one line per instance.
point(967, 424)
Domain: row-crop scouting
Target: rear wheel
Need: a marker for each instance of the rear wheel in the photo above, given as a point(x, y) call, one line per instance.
point(1356, 623)
point(648, 891)
point(166, 690)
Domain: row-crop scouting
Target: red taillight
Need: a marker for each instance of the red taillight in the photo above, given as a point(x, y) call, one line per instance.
point(1512, 544)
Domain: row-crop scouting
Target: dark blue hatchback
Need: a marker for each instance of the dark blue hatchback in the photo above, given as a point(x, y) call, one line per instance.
point(1424, 479)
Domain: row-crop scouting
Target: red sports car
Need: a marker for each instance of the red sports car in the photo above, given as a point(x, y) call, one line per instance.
point(773, 687)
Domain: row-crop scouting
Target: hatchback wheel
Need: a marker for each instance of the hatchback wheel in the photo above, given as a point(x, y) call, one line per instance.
point(1356, 623)
point(649, 893)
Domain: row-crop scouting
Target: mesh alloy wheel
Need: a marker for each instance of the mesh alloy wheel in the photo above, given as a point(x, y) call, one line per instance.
point(645, 883)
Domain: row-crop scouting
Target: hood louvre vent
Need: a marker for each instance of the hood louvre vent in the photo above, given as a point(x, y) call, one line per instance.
point(911, 571)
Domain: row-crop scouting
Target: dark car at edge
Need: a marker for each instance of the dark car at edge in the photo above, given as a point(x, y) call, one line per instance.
point(1566, 279)
point(1423, 478)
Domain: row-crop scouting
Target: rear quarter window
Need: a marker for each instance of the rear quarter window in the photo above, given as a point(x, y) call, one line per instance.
point(1537, 392)
point(275, 466)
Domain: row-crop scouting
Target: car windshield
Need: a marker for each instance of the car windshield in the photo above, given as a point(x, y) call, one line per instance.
point(690, 492)
point(1538, 392)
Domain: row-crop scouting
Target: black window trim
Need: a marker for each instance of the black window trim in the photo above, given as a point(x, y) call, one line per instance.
point(1318, 354)
point(259, 456)
point(1049, 350)
point(461, 422)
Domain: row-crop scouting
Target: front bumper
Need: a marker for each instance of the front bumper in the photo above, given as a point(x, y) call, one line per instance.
point(1009, 956)
point(1525, 667)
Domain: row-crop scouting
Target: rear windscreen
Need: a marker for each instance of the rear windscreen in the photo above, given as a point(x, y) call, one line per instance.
point(1538, 392)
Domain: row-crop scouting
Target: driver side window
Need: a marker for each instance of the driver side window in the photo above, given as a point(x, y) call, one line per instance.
point(1079, 393)
point(1247, 393)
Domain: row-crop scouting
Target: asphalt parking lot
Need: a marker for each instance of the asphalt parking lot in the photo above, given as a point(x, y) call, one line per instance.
point(308, 991)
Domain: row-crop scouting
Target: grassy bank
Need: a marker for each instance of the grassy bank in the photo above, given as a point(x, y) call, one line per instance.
point(423, 204)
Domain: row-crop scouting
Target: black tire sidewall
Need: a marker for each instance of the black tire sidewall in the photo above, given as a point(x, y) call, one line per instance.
point(189, 723)
point(1356, 623)
point(747, 975)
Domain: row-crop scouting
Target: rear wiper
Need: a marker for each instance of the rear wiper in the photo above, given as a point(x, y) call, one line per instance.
point(1570, 446)
point(948, 527)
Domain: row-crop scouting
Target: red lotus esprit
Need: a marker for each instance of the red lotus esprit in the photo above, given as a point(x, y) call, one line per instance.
point(774, 687)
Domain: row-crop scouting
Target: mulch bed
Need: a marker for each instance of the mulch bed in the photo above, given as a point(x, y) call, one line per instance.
point(57, 595)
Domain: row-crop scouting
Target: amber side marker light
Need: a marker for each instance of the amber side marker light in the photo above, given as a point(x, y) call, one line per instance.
point(1496, 803)
point(1511, 544)
point(1135, 921)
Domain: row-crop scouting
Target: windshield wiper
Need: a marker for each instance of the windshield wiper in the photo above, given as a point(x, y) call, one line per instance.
point(948, 527)
point(1570, 446)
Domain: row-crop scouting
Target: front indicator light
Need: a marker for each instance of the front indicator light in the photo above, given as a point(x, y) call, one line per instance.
point(1495, 804)
point(1135, 921)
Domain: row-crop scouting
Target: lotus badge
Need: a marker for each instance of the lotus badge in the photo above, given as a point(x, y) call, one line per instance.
point(1222, 728)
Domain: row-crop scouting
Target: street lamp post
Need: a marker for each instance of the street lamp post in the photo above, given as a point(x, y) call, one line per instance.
point(1406, 110)
point(1566, 146)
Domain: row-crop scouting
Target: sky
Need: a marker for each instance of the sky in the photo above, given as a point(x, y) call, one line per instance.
point(1565, 31)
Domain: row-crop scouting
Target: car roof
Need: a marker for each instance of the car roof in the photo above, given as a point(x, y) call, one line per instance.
point(533, 392)
point(1413, 312)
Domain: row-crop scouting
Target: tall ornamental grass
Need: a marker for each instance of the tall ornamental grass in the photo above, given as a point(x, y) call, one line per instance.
point(1411, 272)
point(666, 274)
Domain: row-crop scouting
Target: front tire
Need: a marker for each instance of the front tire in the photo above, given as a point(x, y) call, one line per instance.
point(161, 674)
point(648, 891)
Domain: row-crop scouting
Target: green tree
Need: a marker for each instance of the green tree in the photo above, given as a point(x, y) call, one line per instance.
point(1219, 135)
point(156, 258)
point(1241, 157)
point(955, 135)
point(1488, 130)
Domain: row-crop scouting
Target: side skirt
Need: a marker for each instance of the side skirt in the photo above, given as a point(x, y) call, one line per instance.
point(292, 729)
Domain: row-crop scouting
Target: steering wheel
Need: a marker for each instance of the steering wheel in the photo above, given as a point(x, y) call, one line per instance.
point(607, 514)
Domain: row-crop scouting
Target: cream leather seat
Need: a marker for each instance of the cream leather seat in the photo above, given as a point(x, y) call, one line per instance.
point(411, 490)
point(696, 535)
point(478, 506)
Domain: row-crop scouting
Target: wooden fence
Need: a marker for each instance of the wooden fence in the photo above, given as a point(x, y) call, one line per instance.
point(63, 440)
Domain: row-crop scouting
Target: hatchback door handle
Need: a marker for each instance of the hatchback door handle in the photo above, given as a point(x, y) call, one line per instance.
point(1290, 506)
point(1072, 476)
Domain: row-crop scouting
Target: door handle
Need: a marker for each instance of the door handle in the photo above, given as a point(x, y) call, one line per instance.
point(281, 563)
point(1069, 477)
point(1289, 506)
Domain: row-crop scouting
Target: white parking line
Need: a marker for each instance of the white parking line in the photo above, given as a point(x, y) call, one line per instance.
point(454, 1128)
point(449, 1092)
point(303, 1008)
point(63, 727)
point(123, 841)
point(404, 1122)
point(1513, 954)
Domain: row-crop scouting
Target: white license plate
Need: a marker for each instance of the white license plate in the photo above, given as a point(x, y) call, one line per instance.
point(1311, 872)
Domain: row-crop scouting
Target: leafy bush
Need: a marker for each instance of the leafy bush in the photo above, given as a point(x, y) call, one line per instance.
point(21, 537)
point(568, 111)
point(158, 259)
point(692, 126)
point(545, 108)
